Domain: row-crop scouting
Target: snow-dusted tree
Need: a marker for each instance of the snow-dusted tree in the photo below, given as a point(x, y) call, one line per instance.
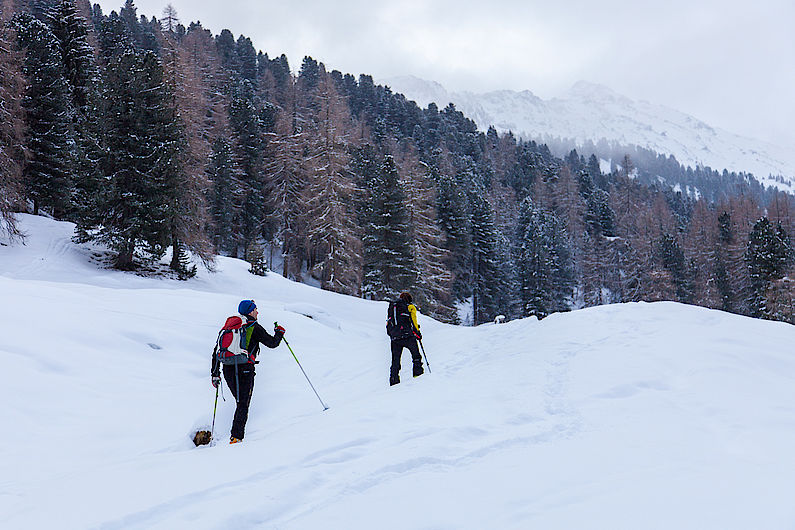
point(544, 263)
point(388, 262)
point(49, 116)
point(491, 276)
point(332, 232)
point(454, 216)
point(769, 257)
point(675, 263)
point(142, 165)
point(432, 292)
point(288, 175)
point(225, 198)
point(250, 142)
point(189, 217)
point(82, 77)
point(129, 17)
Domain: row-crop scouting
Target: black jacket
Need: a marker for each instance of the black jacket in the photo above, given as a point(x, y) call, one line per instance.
point(258, 336)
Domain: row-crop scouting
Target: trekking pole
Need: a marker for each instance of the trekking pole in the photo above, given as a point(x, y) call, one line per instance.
point(215, 407)
point(325, 407)
point(426, 357)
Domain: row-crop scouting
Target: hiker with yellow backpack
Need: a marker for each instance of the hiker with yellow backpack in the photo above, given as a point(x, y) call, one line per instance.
point(404, 332)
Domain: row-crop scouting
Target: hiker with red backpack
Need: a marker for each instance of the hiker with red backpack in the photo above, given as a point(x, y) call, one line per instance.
point(237, 349)
point(404, 330)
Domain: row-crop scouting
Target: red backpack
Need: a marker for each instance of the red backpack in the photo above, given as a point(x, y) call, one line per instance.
point(233, 340)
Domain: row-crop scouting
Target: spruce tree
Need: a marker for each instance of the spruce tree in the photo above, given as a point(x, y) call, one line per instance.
point(225, 196)
point(142, 160)
point(246, 59)
point(454, 217)
point(769, 257)
point(544, 263)
point(82, 77)
point(388, 263)
point(720, 267)
point(491, 278)
point(249, 134)
point(48, 175)
point(129, 17)
point(674, 261)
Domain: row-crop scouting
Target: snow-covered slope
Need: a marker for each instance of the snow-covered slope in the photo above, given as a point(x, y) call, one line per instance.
point(592, 112)
point(626, 416)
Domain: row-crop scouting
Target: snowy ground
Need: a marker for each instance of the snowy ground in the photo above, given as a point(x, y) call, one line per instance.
point(625, 416)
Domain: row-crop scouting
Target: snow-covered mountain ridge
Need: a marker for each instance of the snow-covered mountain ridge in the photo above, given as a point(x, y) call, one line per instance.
point(593, 112)
point(623, 417)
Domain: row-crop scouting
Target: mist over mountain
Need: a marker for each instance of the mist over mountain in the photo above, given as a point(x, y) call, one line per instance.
point(591, 112)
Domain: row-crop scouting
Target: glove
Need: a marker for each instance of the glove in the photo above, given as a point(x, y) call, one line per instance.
point(418, 334)
point(278, 330)
point(216, 381)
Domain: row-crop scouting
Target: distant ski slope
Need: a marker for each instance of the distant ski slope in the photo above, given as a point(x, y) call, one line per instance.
point(592, 112)
point(625, 416)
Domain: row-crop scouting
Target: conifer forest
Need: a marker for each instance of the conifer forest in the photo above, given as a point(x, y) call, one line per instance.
point(157, 137)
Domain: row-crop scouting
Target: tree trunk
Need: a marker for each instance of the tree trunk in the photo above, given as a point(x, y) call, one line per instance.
point(124, 261)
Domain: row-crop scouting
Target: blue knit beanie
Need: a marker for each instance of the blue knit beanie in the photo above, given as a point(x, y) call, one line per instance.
point(246, 306)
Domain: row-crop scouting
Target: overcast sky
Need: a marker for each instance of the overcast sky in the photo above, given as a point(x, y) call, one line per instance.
point(729, 63)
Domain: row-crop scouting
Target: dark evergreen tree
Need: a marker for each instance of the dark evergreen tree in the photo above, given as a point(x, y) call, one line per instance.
point(725, 228)
point(594, 170)
point(225, 196)
point(246, 59)
point(133, 29)
point(82, 78)
point(769, 257)
point(492, 282)
point(142, 159)
point(250, 142)
point(454, 218)
point(48, 175)
point(113, 36)
point(227, 48)
point(721, 269)
point(673, 260)
point(544, 264)
point(388, 263)
point(39, 9)
point(71, 31)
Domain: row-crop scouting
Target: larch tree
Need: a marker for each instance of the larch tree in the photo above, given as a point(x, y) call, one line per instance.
point(432, 292)
point(332, 232)
point(189, 217)
point(288, 176)
point(170, 19)
point(12, 125)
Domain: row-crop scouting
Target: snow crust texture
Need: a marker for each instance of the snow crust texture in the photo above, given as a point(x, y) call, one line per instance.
point(625, 416)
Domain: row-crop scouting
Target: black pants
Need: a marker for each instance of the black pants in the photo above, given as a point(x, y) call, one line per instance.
point(240, 380)
point(397, 351)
